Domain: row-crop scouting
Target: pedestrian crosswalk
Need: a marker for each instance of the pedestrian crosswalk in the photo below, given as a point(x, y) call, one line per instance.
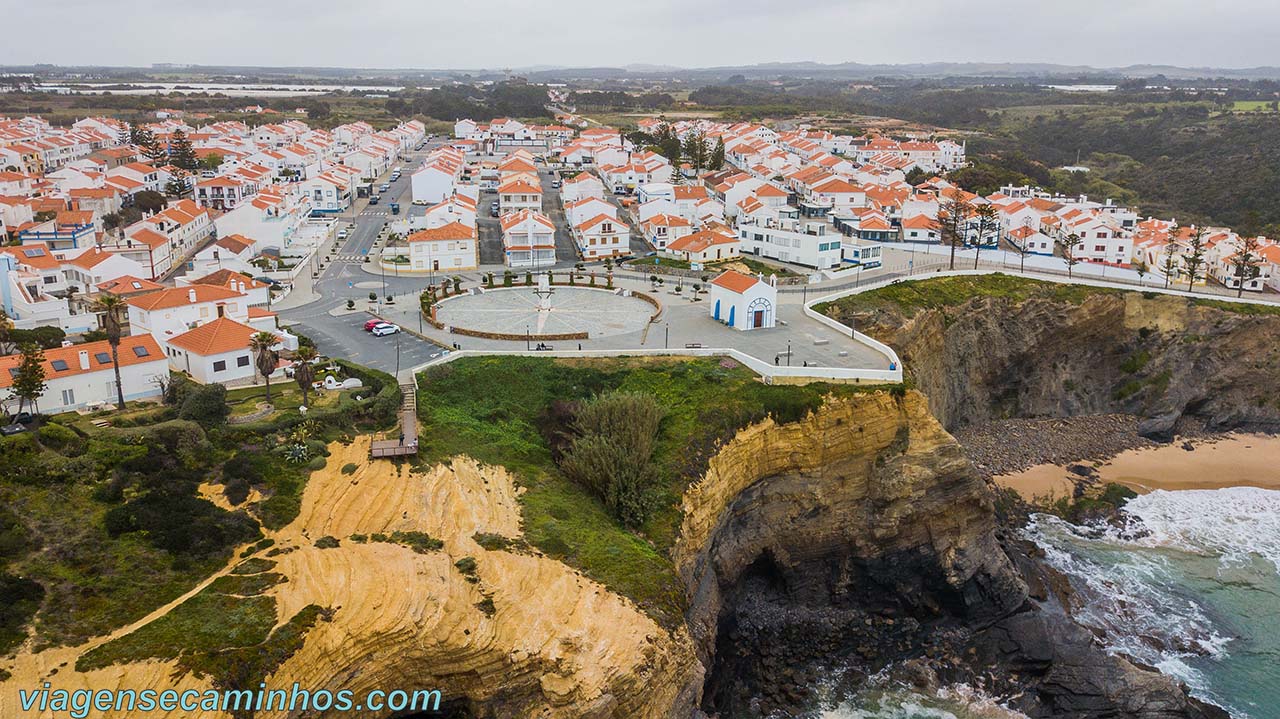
point(349, 258)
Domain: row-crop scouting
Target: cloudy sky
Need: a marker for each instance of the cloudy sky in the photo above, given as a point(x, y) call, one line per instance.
point(690, 33)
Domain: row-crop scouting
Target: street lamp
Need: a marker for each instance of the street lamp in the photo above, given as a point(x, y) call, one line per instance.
point(788, 353)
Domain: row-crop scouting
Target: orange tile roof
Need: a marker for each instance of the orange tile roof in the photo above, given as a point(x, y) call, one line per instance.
point(128, 284)
point(134, 349)
point(216, 337)
point(452, 231)
point(181, 296)
point(519, 186)
point(735, 282)
point(699, 241)
point(33, 254)
point(228, 278)
point(91, 258)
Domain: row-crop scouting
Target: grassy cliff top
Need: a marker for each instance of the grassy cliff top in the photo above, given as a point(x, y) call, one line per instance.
point(912, 296)
point(502, 410)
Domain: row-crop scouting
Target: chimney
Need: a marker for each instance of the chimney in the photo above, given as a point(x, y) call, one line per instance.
point(84, 359)
point(191, 294)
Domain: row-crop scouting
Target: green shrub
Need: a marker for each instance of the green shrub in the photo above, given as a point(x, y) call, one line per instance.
point(497, 542)
point(317, 463)
point(236, 491)
point(611, 455)
point(327, 542)
point(57, 437)
point(206, 404)
point(19, 600)
point(350, 468)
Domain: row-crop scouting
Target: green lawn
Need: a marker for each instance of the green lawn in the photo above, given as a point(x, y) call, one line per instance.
point(498, 410)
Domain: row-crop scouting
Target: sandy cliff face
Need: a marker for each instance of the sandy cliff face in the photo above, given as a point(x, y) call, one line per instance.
point(555, 645)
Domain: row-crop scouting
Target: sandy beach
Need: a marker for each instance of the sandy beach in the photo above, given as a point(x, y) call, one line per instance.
point(1236, 460)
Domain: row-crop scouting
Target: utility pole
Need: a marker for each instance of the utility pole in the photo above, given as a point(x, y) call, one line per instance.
point(788, 353)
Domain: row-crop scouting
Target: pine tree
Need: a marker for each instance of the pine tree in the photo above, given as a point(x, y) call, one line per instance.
point(150, 146)
point(177, 185)
point(717, 156)
point(181, 153)
point(1194, 258)
point(1246, 262)
point(28, 384)
point(695, 148)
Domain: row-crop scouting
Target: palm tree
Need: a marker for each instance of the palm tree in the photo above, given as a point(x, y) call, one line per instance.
point(265, 358)
point(112, 307)
point(304, 372)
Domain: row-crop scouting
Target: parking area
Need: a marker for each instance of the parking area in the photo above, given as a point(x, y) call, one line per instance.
point(345, 336)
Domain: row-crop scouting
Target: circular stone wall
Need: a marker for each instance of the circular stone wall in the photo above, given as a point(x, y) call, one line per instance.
point(515, 311)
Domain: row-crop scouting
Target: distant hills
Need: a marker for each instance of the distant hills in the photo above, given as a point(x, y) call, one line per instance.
point(761, 71)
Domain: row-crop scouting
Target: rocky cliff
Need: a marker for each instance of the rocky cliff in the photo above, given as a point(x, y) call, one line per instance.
point(861, 539)
point(1159, 357)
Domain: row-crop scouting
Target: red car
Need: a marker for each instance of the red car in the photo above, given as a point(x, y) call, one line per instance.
point(370, 324)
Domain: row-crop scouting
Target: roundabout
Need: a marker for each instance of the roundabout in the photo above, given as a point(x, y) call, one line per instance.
point(545, 311)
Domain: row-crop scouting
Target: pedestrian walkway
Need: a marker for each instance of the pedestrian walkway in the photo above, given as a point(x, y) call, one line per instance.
point(407, 442)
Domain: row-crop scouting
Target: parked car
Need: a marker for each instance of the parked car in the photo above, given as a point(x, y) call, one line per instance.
point(555, 184)
point(24, 418)
point(384, 329)
point(493, 211)
point(374, 200)
point(12, 429)
point(384, 187)
point(370, 324)
point(342, 234)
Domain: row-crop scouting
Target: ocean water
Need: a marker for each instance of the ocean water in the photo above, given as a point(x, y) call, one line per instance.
point(956, 702)
point(1190, 585)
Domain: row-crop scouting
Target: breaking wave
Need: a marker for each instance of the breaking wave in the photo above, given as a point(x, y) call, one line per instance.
point(1188, 583)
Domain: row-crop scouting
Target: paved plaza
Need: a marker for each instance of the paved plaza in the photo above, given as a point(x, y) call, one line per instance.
point(519, 310)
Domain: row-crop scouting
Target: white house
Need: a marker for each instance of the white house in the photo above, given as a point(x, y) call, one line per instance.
point(602, 236)
point(662, 229)
point(702, 247)
point(582, 210)
point(528, 239)
point(80, 376)
point(434, 181)
point(256, 293)
point(232, 252)
point(581, 186)
point(272, 218)
point(519, 194)
point(173, 311)
point(448, 248)
point(91, 267)
point(744, 302)
point(217, 351)
point(807, 244)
